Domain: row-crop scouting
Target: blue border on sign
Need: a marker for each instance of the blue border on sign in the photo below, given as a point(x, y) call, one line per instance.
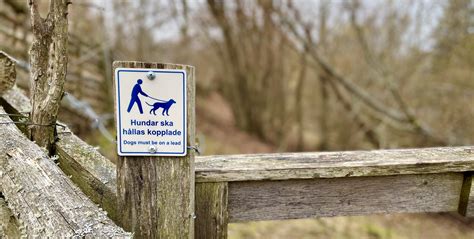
point(183, 153)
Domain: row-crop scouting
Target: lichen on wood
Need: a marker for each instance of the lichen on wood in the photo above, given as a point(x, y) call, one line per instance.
point(91, 171)
point(9, 226)
point(48, 60)
point(41, 196)
point(211, 210)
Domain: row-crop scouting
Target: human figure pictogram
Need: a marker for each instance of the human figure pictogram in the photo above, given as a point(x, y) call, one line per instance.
point(137, 90)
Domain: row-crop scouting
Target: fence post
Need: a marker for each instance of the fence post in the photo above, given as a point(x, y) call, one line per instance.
point(156, 194)
point(466, 201)
point(211, 210)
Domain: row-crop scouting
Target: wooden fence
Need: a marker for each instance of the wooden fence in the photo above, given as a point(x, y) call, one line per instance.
point(237, 188)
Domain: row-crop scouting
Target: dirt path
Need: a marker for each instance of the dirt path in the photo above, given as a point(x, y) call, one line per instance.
point(218, 133)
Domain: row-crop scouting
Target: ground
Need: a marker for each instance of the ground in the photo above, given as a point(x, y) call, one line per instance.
point(399, 226)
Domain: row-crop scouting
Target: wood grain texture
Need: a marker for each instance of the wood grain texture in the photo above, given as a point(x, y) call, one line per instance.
point(156, 194)
point(7, 72)
point(44, 200)
point(16, 100)
point(91, 171)
point(48, 57)
point(277, 200)
point(9, 227)
point(211, 210)
point(283, 166)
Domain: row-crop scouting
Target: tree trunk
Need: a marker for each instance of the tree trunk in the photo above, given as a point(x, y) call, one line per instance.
point(48, 59)
point(324, 109)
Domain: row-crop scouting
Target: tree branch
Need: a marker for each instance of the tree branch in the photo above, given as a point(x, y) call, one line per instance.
point(48, 59)
point(405, 117)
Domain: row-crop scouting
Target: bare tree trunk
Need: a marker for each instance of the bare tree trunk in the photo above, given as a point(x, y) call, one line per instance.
point(324, 109)
point(299, 103)
point(370, 134)
point(48, 59)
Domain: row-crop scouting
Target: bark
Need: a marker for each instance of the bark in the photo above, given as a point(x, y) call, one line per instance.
point(48, 59)
point(7, 72)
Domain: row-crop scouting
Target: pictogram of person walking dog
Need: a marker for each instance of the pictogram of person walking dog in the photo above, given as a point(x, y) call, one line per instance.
point(135, 99)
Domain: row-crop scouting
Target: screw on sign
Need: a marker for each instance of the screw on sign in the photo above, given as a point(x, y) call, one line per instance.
point(151, 75)
point(152, 149)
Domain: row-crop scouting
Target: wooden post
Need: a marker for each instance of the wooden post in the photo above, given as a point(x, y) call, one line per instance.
point(156, 194)
point(211, 210)
point(466, 201)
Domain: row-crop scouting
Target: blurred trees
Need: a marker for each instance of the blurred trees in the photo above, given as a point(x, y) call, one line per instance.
point(370, 62)
point(318, 75)
point(327, 75)
point(256, 66)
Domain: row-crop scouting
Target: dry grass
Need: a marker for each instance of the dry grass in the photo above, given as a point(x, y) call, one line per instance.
point(400, 226)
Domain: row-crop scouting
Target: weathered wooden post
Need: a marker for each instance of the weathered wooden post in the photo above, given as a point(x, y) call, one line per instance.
point(211, 210)
point(466, 202)
point(155, 192)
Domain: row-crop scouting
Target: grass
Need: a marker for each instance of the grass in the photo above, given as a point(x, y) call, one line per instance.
point(399, 226)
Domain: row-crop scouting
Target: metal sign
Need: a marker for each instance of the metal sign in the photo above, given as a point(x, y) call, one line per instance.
point(151, 112)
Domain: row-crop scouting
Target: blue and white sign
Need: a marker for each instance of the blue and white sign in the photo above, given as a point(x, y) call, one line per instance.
point(151, 112)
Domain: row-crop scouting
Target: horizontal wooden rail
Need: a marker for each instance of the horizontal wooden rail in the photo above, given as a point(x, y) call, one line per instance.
point(297, 185)
point(291, 199)
point(284, 166)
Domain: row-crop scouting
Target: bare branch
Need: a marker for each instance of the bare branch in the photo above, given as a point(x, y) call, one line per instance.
point(406, 116)
point(369, 133)
point(387, 78)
